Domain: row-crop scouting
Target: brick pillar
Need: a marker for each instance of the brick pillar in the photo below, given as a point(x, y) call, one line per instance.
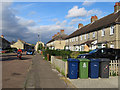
point(48, 58)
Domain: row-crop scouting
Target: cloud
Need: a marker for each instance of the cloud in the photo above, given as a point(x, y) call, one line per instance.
point(13, 27)
point(16, 27)
point(78, 20)
point(76, 12)
point(88, 2)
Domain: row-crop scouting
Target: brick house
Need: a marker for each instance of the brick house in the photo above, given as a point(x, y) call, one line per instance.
point(4, 44)
point(22, 45)
point(57, 41)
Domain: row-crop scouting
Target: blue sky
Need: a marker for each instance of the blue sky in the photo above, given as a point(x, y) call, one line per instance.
point(49, 17)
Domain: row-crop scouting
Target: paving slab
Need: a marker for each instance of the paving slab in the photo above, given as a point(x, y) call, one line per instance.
point(42, 75)
point(111, 82)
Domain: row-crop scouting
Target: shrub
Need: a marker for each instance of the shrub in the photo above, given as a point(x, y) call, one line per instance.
point(74, 54)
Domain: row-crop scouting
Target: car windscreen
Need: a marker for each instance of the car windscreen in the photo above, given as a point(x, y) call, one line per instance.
point(29, 50)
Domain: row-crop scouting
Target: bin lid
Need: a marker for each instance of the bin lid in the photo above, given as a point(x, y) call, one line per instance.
point(104, 59)
point(95, 60)
point(84, 60)
point(72, 60)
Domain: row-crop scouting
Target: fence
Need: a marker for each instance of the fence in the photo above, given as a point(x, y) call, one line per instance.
point(114, 67)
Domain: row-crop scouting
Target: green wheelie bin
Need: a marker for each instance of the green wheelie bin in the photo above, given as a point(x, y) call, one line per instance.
point(83, 67)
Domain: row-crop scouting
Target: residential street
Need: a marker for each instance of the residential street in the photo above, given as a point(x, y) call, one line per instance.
point(42, 75)
point(14, 71)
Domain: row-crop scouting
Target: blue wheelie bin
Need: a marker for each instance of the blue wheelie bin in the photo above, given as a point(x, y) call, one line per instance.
point(73, 68)
point(94, 68)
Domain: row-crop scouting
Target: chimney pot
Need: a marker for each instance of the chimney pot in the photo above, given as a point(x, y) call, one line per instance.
point(2, 36)
point(80, 25)
point(117, 6)
point(62, 31)
point(94, 18)
point(58, 33)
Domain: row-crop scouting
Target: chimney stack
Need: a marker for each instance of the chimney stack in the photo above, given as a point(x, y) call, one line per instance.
point(117, 6)
point(94, 18)
point(80, 25)
point(62, 31)
point(52, 37)
point(58, 33)
point(2, 36)
point(55, 35)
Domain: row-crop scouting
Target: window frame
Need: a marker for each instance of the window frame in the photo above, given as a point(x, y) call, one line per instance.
point(112, 30)
point(103, 32)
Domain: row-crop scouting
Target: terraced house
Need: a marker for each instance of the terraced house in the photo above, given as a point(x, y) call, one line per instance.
point(100, 33)
point(57, 41)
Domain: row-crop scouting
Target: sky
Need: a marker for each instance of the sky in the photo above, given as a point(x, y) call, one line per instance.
point(25, 20)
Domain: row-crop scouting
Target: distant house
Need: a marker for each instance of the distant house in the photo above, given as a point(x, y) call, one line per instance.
point(22, 45)
point(57, 41)
point(4, 44)
point(38, 43)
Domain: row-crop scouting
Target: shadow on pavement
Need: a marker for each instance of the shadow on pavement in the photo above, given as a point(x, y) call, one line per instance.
point(14, 58)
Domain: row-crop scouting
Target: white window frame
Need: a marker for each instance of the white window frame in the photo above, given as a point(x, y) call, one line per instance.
point(88, 35)
point(76, 38)
point(111, 30)
point(103, 32)
point(81, 37)
point(85, 36)
point(72, 39)
point(93, 34)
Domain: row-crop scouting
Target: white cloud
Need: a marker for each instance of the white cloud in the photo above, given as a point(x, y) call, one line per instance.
point(82, 12)
point(78, 20)
point(88, 2)
point(76, 12)
point(15, 27)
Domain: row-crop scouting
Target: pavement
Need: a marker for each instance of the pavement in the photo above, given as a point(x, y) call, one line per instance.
point(43, 75)
point(111, 82)
point(14, 71)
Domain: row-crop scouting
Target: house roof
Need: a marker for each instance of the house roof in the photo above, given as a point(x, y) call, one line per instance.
point(25, 42)
point(59, 37)
point(4, 40)
point(106, 21)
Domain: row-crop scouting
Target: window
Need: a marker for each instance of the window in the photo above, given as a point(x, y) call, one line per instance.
point(88, 36)
point(81, 37)
point(70, 40)
point(93, 34)
point(111, 30)
point(76, 38)
point(103, 32)
point(85, 36)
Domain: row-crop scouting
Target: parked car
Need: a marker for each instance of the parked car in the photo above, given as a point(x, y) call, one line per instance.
point(102, 53)
point(14, 50)
point(29, 52)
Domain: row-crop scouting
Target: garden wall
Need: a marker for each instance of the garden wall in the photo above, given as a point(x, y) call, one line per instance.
point(61, 66)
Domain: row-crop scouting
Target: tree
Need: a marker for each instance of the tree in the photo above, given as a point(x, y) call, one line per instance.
point(40, 46)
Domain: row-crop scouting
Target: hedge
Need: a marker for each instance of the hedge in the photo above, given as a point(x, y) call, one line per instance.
point(63, 53)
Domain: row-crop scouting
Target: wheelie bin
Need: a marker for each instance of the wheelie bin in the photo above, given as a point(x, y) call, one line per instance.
point(94, 68)
point(73, 68)
point(83, 67)
point(104, 68)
